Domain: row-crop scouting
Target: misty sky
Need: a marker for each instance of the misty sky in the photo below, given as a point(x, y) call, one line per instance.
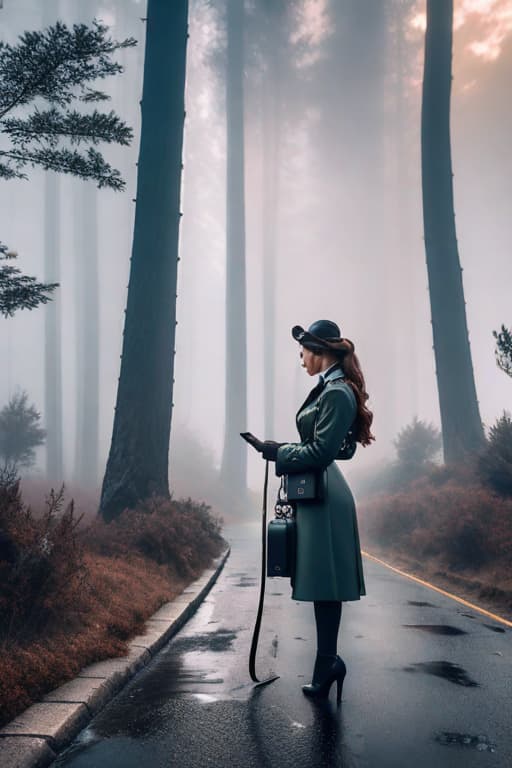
point(324, 267)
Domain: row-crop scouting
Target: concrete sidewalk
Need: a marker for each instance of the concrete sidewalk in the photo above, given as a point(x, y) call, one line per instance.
point(34, 738)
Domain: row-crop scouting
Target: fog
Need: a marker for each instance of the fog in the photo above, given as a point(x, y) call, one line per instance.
point(349, 230)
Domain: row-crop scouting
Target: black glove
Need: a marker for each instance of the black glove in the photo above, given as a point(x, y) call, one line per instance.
point(252, 440)
point(269, 449)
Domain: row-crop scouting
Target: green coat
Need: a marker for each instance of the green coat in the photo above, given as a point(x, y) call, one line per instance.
point(328, 561)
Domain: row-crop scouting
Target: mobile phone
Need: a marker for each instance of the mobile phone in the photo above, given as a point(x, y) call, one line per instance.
point(248, 436)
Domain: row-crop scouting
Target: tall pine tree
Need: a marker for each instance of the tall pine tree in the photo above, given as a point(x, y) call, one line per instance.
point(234, 459)
point(138, 462)
point(87, 332)
point(52, 317)
point(460, 418)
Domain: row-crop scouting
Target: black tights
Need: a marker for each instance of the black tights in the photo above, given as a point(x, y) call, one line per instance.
point(327, 617)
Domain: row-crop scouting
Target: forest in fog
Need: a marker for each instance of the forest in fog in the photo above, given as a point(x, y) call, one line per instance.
point(302, 188)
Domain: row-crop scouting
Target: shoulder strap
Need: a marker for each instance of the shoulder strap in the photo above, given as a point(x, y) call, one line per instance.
point(256, 632)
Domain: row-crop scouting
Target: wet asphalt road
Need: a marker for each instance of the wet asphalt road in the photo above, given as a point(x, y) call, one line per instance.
point(429, 684)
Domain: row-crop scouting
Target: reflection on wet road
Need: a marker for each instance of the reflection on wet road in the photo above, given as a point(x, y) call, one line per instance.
point(195, 705)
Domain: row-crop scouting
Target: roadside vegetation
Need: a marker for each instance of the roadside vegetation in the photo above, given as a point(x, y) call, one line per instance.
point(74, 589)
point(451, 524)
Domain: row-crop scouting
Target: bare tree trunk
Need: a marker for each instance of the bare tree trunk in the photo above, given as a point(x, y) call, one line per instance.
point(52, 329)
point(406, 244)
point(139, 454)
point(87, 351)
point(87, 336)
point(52, 326)
point(234, 459)
point(460, 418)
point(353, 101)
point(271, 131)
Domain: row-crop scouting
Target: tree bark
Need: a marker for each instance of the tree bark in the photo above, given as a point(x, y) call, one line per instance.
point(460, 418)
point(234, 459)
point(138, 462)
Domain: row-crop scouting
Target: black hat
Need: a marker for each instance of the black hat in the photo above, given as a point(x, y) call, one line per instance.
point(318, 336)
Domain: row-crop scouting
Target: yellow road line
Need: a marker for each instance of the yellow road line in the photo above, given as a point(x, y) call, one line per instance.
point(438, 589)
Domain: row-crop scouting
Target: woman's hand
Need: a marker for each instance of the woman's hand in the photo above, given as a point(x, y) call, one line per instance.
point(252, 440)
point(267, 448)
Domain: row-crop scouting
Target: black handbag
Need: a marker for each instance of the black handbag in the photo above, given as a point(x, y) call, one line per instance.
point(281, 538)
point(304, 486)
point(311, 485)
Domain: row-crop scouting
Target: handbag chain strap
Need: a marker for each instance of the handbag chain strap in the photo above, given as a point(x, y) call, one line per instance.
point(284, 509)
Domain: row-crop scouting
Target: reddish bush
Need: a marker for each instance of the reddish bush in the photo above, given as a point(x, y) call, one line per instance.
point(180, 534)
point(120, 595)
point(466, 526)
point(89, 588)
point(45, 568)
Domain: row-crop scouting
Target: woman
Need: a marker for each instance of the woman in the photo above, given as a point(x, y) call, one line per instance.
point(329, 567)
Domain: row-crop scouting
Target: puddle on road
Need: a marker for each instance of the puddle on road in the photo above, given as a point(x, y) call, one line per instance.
point(493, 627)
point(421, 603)
point(218, 641)
point(480, 742)
point(246, 581)
point(245, 584)
point(437, 629)
point(205, 698)
point(445, 669)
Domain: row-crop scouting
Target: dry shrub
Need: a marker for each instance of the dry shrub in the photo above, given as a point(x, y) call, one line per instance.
point(467, 526)
point(41, 567)
point(119, 597)
point(71, 595)
point(34, 488)
point(181, 534)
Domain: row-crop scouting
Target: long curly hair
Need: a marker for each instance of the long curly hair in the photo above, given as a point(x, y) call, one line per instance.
point(344, 350)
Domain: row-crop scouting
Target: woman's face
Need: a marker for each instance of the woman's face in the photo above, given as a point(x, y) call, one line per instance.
point(312, 363)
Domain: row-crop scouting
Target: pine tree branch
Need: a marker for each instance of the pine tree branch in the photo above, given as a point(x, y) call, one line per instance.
point(56, 65)
point(6, 172)
point(50, 125)
point(503, 351)
point(18, 291)
point(90, 166)
point(51, 63)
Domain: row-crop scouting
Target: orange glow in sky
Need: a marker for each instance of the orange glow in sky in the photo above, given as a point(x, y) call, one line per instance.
point(490, 22)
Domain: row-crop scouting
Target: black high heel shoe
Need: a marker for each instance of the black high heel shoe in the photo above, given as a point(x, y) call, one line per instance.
point(336, 671)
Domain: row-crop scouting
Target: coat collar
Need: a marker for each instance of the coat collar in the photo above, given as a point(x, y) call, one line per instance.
point(333, 372)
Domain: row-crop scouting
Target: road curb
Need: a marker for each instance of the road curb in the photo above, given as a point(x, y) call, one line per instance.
point(37, 735)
